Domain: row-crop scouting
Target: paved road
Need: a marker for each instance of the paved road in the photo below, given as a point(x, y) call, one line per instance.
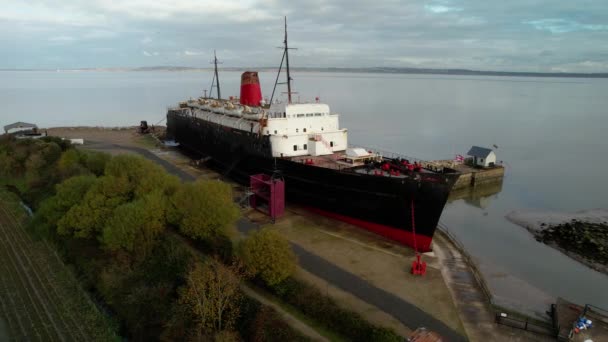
point(407, 313)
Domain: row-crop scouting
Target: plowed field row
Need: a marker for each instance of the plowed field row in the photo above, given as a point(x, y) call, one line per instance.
point(40, 299)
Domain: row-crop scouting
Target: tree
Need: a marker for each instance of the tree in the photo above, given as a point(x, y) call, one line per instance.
point(211, 297)
point(8, 165)
point(96, 162)
point(68, 193)
point(143, 175)
point(267, 254)
point(71, 163)
point(87, 218)
point(203, 209)
point(136, 226)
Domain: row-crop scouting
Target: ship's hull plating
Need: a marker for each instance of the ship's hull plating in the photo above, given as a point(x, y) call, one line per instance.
point(379, 204)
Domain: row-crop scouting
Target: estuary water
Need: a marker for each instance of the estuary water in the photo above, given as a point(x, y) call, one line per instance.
point(550, 134)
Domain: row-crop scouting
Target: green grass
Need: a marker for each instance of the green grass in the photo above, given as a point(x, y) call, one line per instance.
point(330, 335)
point(147, 141)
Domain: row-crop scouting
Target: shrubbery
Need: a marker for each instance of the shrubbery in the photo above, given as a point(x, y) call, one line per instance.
point(267, 254)
point(324, 310)
point(261, 323)
point(203, 209)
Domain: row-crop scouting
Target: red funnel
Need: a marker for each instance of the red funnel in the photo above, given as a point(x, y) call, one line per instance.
point(251, 94)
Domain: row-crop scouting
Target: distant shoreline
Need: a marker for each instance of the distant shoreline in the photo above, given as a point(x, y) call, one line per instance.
point(375, 70)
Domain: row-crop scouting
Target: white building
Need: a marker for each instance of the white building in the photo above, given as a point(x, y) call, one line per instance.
point(19, 127)
point(482, 156)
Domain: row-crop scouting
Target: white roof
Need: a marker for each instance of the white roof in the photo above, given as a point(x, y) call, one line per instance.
point(356, 152)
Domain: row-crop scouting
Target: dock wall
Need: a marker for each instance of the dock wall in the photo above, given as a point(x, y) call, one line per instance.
point(477, 177)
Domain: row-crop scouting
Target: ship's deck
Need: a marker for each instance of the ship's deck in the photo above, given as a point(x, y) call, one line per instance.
point(337, 161)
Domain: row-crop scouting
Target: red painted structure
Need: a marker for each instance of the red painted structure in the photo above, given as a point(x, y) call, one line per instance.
point(423, 242)
point(267, 193)
point(418, 266)
point(251, 93)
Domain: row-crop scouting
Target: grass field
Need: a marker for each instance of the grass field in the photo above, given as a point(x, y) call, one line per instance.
point(40, 298)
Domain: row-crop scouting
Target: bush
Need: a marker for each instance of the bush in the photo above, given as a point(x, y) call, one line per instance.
point(325, 311)
point(258, 322)
point(267, 254)
point(203, 209)
point(269, 327)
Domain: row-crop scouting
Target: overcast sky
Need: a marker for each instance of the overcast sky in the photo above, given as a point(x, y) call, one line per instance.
point(512, 35)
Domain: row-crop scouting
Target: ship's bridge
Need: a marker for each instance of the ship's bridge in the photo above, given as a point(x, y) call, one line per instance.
point(299, 129)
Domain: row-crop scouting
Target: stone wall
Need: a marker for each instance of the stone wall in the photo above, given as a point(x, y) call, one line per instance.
point(488, 175)
point(480, 176)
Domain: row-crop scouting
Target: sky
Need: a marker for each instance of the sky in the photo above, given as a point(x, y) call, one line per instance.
point(512, 35)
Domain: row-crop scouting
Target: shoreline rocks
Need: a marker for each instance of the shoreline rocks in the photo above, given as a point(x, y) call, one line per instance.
point(583, 235)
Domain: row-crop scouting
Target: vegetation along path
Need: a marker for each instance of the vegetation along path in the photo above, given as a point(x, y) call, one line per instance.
point(407, 313)
point(40, 299)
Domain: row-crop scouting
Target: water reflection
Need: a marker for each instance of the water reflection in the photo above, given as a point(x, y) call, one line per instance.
point(478, 196)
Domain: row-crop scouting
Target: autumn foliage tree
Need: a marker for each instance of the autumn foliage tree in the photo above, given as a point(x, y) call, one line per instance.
point(267, 254)
point(211, 298)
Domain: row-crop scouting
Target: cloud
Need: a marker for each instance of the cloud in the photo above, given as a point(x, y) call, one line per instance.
point(564, 25)
point(62, 39)
point(193, 53)
point(441, 8)
point(474, 34)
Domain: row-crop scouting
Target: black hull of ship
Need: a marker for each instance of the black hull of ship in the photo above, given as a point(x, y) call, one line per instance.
point(379, 204)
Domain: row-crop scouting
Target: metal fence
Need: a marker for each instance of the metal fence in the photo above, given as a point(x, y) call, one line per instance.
point(525, 324)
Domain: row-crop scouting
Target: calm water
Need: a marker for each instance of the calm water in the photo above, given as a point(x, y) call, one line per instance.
point(549, 133)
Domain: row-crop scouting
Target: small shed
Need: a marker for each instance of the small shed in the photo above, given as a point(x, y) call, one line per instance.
point(19, 126)
point(482, 156)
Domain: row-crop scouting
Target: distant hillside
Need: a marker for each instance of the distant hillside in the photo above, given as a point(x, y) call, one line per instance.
point(386, 70)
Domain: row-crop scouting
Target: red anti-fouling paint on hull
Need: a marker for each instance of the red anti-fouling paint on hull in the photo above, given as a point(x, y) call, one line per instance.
point(405, 237)
point(251, 93)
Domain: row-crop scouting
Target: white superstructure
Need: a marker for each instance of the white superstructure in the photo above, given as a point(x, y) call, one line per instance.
point(300, 129)
point(294, 129)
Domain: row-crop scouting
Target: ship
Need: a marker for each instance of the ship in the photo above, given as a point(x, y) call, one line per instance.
point(392, 196)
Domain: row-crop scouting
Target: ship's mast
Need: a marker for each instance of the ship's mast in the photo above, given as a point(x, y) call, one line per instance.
point(287, 64)
point(285, 58)
point(216, 78)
